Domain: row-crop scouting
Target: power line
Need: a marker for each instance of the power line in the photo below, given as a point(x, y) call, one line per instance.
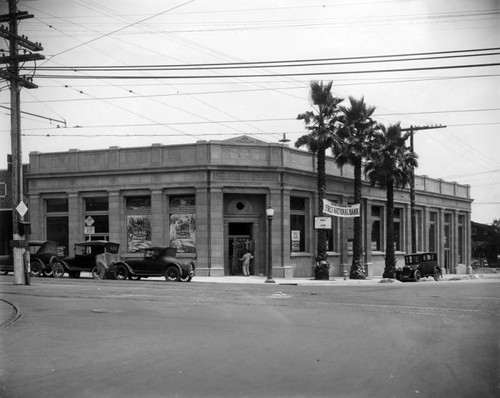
point(36, 115)
point(122, 28)
point(326, 73)
point(284, 63)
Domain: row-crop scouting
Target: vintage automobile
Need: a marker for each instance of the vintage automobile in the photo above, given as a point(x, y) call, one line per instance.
point(42, 255)
point(84, 259)
point(155, 261)
point(6, 264)
point(418, 265)
point(479, 263)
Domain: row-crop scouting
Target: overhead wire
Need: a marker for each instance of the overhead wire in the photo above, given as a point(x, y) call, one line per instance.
point(403, 57)
point(232, 76)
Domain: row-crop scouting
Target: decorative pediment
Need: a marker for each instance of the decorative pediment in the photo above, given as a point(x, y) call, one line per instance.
point(243, 140)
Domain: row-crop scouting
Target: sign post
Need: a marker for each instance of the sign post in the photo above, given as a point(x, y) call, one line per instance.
point(89, 228)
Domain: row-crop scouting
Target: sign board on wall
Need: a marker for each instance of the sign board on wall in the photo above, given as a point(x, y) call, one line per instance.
point(322, 223)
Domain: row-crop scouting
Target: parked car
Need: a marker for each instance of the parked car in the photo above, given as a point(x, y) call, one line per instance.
point(418, 265)
point(84, 259)
point(155, 261)
point(6, 264)
point(479, 263)
point(43, 254)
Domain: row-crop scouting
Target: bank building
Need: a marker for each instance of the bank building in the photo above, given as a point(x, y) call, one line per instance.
point(208, 200)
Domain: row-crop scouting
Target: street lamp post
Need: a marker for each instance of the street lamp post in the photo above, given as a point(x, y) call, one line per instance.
point(270, 214)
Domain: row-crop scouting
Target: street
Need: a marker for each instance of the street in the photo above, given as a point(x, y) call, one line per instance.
point(150, 338)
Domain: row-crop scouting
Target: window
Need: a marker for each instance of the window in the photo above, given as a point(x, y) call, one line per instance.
point(182, 223)
point(96, 218)
point(297, 224)
point(138, 223)
point(331, 236)
point(461, 239)
point(397, 230)
point(419, 230)
point(3, 190)
point(56, 222)
point(376, 232)
point(432, 231)
point(447, 230)
point(57, 205)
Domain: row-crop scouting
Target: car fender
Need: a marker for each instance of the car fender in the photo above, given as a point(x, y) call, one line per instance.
point(172, 264)
point(129, 268)
point(53, 259)
point(64, 263)
point(192, 268)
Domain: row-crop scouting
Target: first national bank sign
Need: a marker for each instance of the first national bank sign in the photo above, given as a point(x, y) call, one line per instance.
point(334, 209)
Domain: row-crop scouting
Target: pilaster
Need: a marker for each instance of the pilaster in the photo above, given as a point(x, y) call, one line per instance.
point(36, 217)
point(116, 222)
point(158, 221)
point(75, 220)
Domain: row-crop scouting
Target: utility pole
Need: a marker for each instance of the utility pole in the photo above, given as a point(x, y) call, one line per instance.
point(16, 82)
point(413, 213)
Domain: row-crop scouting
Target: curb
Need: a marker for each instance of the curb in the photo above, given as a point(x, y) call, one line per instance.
point(15, 313)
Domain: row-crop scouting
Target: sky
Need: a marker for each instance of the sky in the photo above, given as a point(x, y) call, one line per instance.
point(127, 73)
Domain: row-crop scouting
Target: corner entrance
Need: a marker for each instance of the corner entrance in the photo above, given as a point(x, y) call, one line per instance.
point(240, 235)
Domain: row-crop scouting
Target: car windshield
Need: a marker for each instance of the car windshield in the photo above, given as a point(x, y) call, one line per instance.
point(413, 259)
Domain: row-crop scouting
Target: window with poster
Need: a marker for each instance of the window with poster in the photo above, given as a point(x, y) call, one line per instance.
point(182, 223)
point(297, 224)
point(138, 223)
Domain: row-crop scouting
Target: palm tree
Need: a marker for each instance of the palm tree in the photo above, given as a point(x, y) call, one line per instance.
point(320, 137)
point(391, 165)
point(356, 135)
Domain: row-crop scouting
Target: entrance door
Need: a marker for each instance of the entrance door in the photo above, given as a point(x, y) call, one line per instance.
point(240, 241)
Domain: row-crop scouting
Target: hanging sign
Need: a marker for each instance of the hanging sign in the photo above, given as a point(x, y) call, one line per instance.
point(337, 210)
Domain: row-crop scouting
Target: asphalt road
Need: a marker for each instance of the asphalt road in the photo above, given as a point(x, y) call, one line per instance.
point(95, 338)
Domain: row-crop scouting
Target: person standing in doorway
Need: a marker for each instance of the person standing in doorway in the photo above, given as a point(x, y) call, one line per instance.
point(246, 263)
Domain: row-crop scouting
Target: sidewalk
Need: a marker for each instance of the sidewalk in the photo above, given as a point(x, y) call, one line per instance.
point(336, 281)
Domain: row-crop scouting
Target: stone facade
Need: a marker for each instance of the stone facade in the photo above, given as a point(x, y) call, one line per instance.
point(209, 199)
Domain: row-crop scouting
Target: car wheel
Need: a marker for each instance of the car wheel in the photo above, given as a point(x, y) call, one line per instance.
point(57, 270)
point(172, 274)
point(437, 274)
point(36, 268)
point(417, 275)
point(121, 272)
point(96, 274)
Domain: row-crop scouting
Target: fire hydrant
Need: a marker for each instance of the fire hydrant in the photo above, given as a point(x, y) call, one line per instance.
point(346, 275)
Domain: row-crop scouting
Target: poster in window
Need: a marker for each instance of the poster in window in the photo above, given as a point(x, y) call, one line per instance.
point(183, 232)
point(296, 241)
point(138, 232)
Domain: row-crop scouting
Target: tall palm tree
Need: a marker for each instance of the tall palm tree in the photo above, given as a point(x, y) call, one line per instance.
point(356, 135)
point(390, 165)
point(320, 123)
